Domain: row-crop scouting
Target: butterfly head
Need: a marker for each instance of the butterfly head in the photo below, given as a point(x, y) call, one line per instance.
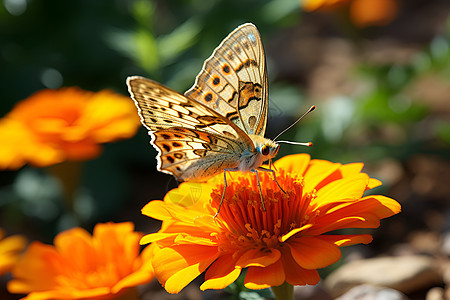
point(269, 149)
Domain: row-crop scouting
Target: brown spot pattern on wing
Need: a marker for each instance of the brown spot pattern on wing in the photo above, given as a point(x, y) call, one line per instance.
point(238, 60)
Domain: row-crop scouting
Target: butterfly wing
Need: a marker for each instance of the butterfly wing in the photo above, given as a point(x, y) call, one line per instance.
point(233, 80)
point(193, 141)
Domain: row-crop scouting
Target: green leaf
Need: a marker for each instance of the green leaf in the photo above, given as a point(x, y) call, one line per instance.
point(172, 45)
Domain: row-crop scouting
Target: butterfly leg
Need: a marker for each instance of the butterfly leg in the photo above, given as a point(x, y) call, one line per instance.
point(259, 187)
point(225, 187)
point(274, 177)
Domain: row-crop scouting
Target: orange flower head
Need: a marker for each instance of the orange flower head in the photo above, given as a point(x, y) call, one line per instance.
point(81, 266)
point(366, 13)
point(362, 13)
point(52, 126)
point(287, 242)
point(10, 249)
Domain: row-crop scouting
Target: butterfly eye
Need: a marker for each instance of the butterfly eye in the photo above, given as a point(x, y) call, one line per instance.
point(265, 150)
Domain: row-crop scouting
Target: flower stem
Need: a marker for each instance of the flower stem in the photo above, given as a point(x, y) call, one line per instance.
point(69, 174)
point(284, 291)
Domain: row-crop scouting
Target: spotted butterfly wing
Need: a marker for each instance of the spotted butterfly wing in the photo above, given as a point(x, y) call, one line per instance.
point(193, 141)
point(233, 80)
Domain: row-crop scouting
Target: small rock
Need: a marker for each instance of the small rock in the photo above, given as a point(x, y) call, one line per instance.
point(369, 292)
point(404, 273)
point(312, 292)
point(436, 293)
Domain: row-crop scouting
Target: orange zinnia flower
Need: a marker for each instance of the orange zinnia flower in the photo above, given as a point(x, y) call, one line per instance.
point(53, 126)
point(285, 243)
point(10, 249)
point(81, 266)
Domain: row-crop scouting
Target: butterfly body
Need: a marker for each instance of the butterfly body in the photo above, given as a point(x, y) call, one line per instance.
point(212, 165)
point(218, 125)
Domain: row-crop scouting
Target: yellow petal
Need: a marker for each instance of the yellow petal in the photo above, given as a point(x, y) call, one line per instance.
point(293, 232)
point(294, 164)
point(221, 273)
point(318, 171)
point(349, 188)
point(188, 194)
point(10, 249)
point(177, 266)
point(351, 169)
point(158, 236)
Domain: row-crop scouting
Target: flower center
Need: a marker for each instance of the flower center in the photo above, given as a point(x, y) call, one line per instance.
point(245, 221)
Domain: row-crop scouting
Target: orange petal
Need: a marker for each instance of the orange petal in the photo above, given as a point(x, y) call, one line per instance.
point(347, 240)
point(313, 253)
point(91, 294)
point(264, 277)
point(76, 245)
point(337, 221)
point(221, 273)
point(134, 279)
point(258, 258)
point(38, 257)
point(295, 274)
point(177, 266)
point(365, 213)
point(143, 274)
point(384, 206)
point(296, 163)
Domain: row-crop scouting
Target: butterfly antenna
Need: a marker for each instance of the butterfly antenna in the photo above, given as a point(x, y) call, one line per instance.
point(298, 120)
point(307, 144)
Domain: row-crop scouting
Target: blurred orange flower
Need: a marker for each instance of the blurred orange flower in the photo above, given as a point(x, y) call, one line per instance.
point(10, 248)
point(52, 126)
point(363, 13)
point(366, 13)
point(81, 266)
point(323, 5)
point(285, 243)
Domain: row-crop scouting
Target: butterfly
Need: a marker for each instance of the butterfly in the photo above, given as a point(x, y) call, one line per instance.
point(218, 125)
